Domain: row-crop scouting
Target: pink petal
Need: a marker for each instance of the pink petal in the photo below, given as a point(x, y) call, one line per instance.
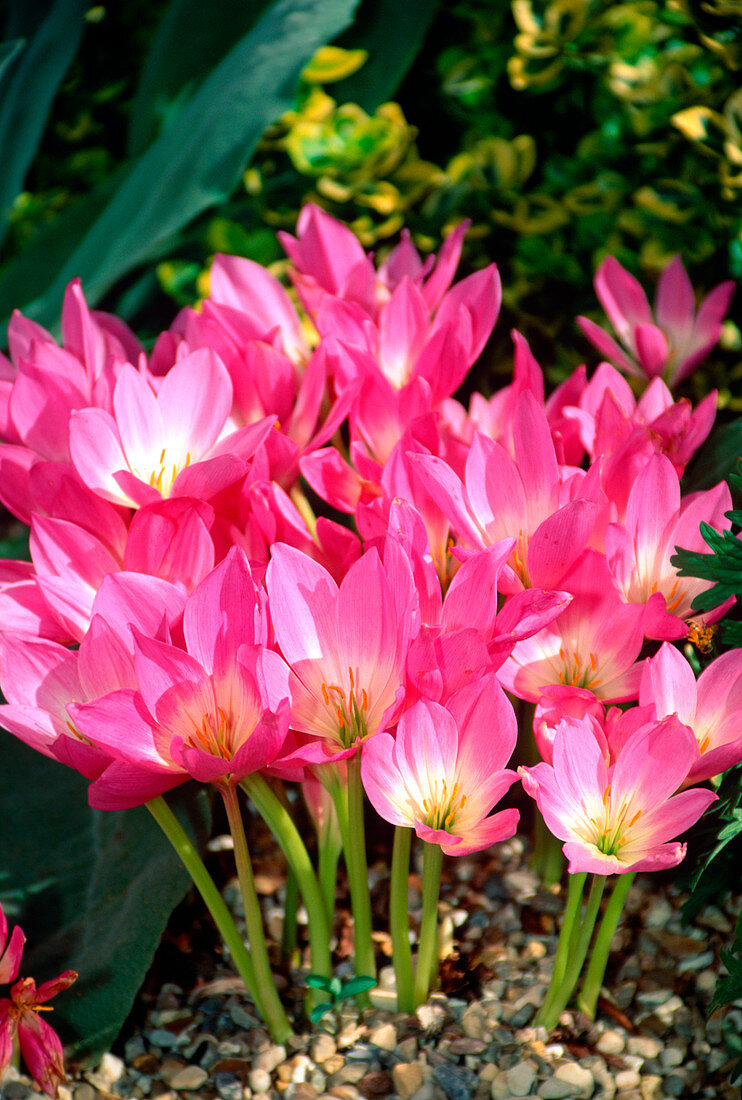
point(652, 350)
point(675, 304)
point(302, 598)
point(622, 298)
point(97, 454)
point(195, 399)
point(606, 345)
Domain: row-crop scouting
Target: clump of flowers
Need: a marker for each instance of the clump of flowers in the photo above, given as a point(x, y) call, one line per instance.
point(188, 614)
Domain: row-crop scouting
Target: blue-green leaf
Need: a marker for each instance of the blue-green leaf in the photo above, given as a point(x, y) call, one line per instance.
point(195, 163)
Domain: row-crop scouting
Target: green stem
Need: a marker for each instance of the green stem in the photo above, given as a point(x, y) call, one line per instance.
point(290, 907)
point(570, 923)
point(399, 920)
point(273, 1012)
point(280, 823)
point(547, 859)
point(349, 808)
point(329, 846)
point(427, 952)
point(588, 998)
point(204, 883)
point(578, 946)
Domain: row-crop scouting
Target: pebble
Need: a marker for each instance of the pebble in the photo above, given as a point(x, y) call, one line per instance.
point(269, 1059)
point(384, 1037)
point(578, 1076)
point(651, 1086)
point(520, 1078)
point(611, 1042)
point(407, 1077)
point(474, 1021)
point(457, 1082)
point(323, 1048)
point(259, 1080)
point(627, 1079)
point(188, 1078)
point(644, 1046)
point(554, 1089)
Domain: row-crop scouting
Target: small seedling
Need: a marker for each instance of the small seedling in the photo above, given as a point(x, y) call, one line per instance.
point(337, 992)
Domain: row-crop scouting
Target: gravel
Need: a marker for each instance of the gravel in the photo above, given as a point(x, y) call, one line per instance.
point(474, 1040)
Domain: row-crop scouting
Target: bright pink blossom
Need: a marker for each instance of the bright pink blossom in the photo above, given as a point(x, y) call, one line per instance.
point(638, 550)
point(620, 816)
point(346, 645)
point(216, 710)
point(711, 706)
point(173, 442)
point(672, 340)
point(446, 768)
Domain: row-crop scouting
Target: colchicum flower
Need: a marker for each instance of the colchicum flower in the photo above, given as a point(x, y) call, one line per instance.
point(20, 1021)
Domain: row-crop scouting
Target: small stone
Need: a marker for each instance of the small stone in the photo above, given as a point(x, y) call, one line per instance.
point(499, 1089)
point(191, 1077)
point(644, 1045)
point(672, 1056)
point(135, 1046)
point(706, 982)
point(161, 1037)
point(268, 1060)
point(228, 1086)
point(259, 1080)
point(554, 1089)
point(627, 1079)
point(323, 1048)
point(376, 1083)
point(384, 1037)
point(408, 1077)
point(611, 1042)
point(674, 1085)
point(339, 1092)
point(695, 962)
point(407, 1049)
point(651, 1086)
point(109, 1070)
point(474, 1021)
point(467, 1046)
point(457, 1082)
point(578, 1076)
point(658, 913)
point(520, 1078)
point(431, 1017)
point(82, 1092)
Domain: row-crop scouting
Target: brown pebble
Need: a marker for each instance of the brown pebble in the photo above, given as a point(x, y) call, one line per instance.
point(145, 1063)
point(333, 1064)
point(168, 1068)
point(376, 1083)
point(305, 1091)
point(467, 1046)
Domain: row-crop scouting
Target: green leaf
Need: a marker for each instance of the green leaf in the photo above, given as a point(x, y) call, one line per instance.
point(194, 164)
point(191, 39)
point(392, 34)
point(360, 984)
point(319, 1011)
point(716, 459)
point(93, 891)
point(335, 988)
point(29, 80)
point(318, 981)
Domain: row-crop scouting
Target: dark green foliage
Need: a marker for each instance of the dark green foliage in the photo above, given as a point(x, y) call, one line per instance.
point(93, 891)
point(723, 566)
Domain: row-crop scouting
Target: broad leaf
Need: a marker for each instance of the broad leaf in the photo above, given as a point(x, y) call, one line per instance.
point(28, 85)
point(392, 34)
point(197, 160)
point(191, 39)
point(93, 891)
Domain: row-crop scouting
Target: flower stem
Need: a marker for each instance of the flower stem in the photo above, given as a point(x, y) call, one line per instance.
point(399, 921)
point(588, 998)
point(330, 845)
point(348, 801)
point(280, 823)
point(290, 907)
point(427, 952)
point(547, 859)
point(204, 883)
point(273, 1012)
point(579, 941)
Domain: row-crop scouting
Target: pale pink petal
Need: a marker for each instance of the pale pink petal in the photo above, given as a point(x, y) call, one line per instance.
point(97, 454)
point(675, 303)
point(383, 782)
point(302, 598)
point(653, 763)
point(669, 684)
point(622, 298)
point(194, 399)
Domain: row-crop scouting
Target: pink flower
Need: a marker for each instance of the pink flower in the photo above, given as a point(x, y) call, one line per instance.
point(445, 769)
point(711, 707)
point(670, 342)
point(638, 550)
point(173, 442)
point(346, 645)
point(620, 816)
point(524, 498)
point(593, 644)
point(20, 1019)
point(216, 711)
